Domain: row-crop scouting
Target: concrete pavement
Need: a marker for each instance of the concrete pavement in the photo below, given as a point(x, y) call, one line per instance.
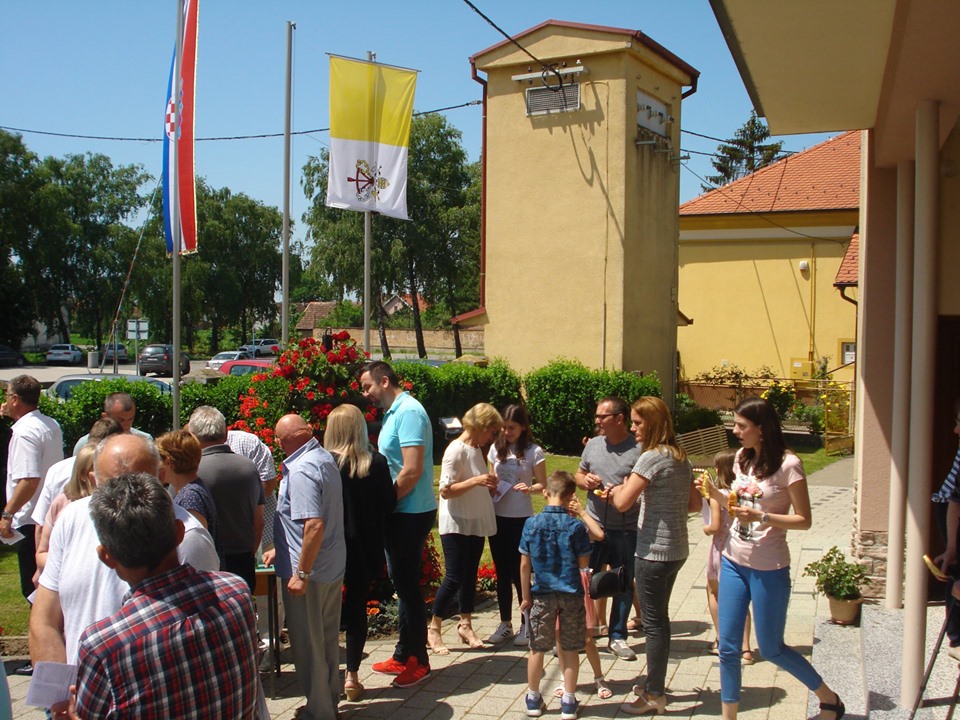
point(491, 683)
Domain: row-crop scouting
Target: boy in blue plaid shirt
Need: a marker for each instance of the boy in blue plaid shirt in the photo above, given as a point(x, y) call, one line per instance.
point(553, 548)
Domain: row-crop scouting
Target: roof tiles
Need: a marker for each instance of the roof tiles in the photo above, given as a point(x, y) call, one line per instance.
point(824, 177)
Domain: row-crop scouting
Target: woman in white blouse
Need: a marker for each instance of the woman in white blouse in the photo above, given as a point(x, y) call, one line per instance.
point(466, 520)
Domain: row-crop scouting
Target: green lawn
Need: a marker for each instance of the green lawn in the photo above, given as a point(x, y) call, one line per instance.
point(14, 613)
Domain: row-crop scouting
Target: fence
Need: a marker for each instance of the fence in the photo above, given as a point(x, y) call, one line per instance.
point(825, 407)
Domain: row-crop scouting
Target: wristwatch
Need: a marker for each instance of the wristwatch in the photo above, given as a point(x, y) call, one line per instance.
point(6, 516)
point(765, 518)
point(302, 574)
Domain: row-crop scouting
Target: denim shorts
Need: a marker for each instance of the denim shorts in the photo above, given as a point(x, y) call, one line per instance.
point(556, 615)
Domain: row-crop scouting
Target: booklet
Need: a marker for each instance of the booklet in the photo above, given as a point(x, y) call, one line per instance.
point(50, 684)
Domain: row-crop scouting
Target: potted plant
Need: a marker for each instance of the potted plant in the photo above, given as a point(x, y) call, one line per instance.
point(840, 580)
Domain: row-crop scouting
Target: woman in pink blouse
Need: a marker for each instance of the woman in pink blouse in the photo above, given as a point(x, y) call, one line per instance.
point(772, 497)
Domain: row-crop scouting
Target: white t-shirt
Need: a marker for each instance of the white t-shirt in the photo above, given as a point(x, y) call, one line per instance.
point(514, 470)
point(36, 444)
point(56, 477)
point(472, 512)
point(90, 591)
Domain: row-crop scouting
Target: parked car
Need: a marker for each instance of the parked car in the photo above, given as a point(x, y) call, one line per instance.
point(9, 356)
point(246, 367)
point(159, 359)
point(66, 354)
point(262, 346)
point(63, 387)
point(219, 359)
point(107, 352)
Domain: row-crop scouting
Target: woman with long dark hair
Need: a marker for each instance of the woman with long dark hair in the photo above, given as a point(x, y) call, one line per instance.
point(662, 479)
point(519, 463)
point(769, 496)
point(368, 498)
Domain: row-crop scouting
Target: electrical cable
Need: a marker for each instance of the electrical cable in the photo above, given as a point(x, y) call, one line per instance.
point(259, 136)
point(546, 68)
point(758, 213)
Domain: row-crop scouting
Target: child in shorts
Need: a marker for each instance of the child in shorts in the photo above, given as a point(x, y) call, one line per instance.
point(553, 548)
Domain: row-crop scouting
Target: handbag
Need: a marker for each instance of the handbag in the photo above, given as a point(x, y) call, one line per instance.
point(607, 583)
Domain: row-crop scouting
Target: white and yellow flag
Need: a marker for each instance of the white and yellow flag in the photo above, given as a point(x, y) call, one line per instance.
point(371, 107)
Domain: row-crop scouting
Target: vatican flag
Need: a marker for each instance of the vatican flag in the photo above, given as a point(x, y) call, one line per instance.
point(371, 106)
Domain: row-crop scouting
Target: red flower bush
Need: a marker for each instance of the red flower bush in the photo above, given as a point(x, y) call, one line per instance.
point(309, 380)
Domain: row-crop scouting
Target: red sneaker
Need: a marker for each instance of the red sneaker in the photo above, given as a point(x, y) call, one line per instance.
point(412, 674)
point(389, 667)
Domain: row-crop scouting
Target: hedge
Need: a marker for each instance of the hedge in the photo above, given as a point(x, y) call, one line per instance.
point(561, 398)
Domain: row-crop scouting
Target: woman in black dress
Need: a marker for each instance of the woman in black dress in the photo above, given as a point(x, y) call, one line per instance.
point(368, 498)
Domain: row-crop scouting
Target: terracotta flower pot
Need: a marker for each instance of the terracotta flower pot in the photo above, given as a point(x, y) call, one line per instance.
point(845, 612)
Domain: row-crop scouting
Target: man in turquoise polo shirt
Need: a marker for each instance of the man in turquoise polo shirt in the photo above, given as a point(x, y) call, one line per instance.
point(406, 440)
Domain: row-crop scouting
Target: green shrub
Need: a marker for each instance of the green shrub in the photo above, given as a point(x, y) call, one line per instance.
point(563, 395)
point(224, 394)
point(451, 389)
point(781, 396)
point(85, 406)
point(688, 419)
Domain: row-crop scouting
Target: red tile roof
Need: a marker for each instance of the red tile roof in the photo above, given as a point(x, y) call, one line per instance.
point(848, 274)
point(314, 313)
point(824, 177)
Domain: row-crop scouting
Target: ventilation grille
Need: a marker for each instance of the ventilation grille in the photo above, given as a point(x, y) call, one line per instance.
point(544, 101)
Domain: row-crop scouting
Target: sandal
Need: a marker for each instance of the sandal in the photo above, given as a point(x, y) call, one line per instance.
point(634, 624)
point(746, 657)
point(468, 637)
point(558, 691)
point(714, 648)
point(603, 691)
point(353, 691)
point(436, 642)
point(837, 708)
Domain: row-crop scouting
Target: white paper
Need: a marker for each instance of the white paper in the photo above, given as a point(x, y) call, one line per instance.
point(50, 684)
point(503, 487)
point(16, 537)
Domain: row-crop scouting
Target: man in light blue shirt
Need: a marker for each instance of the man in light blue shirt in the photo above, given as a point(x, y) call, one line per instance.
point(406, 440)
point(310, 554)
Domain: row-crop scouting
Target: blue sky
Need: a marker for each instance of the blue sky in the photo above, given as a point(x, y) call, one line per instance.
point(100, 68)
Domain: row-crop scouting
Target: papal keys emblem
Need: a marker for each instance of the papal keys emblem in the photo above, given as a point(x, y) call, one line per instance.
point(369, 182)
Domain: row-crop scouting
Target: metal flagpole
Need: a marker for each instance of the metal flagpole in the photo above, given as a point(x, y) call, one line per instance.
point(367, 241)
point(285, 271)
point(175, 221)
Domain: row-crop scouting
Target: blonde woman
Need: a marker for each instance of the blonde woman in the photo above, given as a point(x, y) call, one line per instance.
point(466, 520)
point(368, 498)
point(80, 485)
point(662, 476)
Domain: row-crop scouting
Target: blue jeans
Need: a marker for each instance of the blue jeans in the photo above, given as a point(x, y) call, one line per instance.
point(654, 585)
point(617, 548)
point(769, 591)
point(405, 537)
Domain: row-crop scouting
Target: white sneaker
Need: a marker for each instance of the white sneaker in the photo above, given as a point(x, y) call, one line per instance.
point(503, 633)
point(521, 639)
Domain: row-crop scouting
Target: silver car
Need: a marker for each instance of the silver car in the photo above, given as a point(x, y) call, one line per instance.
point(219, 359)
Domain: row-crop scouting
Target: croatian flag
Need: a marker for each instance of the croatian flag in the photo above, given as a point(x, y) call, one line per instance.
point(179, 181)
point(371, 107)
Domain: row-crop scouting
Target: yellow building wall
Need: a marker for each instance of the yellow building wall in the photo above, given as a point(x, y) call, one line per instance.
point(579, 219)
point(751, 305)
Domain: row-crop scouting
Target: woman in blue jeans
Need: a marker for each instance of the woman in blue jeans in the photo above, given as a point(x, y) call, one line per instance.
point(768, 497)
point(663, 477)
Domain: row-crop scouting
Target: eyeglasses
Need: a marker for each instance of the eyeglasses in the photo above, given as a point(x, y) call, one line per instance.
point(601, 416)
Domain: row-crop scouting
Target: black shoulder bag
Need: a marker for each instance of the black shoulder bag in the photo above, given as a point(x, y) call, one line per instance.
point(607, 583)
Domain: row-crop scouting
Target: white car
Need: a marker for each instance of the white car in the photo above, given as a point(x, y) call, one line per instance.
point(67, 354)
point(263, 346)
point(219, 359)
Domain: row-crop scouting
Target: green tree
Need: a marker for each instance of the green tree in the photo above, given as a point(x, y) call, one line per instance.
point(19, 183)
point(745, 153)
point(435, 254)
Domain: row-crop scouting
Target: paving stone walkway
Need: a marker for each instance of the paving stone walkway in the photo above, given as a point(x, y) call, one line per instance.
point(491, 683)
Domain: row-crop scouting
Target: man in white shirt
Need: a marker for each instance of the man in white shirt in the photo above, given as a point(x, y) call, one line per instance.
point(121, 407)
point(36, 444)
point(76, 589)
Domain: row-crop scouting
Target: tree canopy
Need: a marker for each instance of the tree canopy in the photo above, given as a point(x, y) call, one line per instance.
point(743, 154)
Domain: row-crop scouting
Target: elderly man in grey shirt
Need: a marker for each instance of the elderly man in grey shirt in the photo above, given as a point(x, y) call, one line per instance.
point(606, 461)
point(310, 555)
